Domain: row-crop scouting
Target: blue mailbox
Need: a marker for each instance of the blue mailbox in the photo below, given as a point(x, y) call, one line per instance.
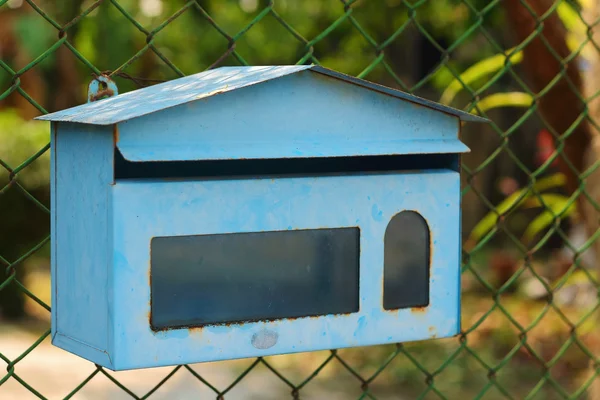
point(252, 211)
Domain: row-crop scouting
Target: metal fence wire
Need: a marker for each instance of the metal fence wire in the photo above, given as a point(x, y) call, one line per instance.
point(529, 278)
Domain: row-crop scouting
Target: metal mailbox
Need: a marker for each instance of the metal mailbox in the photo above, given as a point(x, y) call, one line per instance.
point(252, 211)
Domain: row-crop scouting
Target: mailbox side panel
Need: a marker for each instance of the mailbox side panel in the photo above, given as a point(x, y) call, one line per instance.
point(53, 213)
point(83, 171)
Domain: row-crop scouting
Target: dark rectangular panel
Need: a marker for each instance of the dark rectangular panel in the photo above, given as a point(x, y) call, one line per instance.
point(212, 279)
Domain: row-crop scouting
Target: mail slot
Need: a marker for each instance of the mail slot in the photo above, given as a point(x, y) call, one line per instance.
point(253, 211)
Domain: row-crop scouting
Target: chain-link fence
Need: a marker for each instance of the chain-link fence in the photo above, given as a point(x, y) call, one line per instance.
point(529, 277)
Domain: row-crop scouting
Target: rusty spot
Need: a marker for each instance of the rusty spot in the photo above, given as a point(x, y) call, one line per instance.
point(430, 252)
point(198, 328)
point(115, 134)
point(195, 329)
point(419, 310)
point(205, 96)
point(431, 329)
point(150, 287)
point(102, 94)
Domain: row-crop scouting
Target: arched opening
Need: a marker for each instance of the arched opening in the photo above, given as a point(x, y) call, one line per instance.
point(406, 262)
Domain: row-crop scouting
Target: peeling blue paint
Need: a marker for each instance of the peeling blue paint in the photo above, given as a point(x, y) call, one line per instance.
point(264, 339)
point(362, 322)
point(376, 213)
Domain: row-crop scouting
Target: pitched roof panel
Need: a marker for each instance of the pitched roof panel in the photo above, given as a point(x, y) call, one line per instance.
point(148, 100)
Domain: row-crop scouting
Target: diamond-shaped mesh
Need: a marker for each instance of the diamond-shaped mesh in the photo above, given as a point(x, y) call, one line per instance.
point(529, 190)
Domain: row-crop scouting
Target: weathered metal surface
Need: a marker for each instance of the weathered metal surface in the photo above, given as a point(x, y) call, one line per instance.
point(298, 116)
point(464, 116)
point(202, 207)
point(207, 84)
point(53, 217)
point(81, 231)
point(104, 222)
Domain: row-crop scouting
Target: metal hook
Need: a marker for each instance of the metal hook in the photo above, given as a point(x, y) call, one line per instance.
point(101, 87)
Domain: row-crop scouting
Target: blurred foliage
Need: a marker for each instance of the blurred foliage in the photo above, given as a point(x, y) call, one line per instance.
point(19, 140)
point(447, 50)
point(480, 73)
point(554, 206)
point(311, 30)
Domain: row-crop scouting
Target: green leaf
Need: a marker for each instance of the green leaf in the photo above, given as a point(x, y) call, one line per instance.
point(480, 70)
point(498, 100)
point(512, 202)
point(442, 78)
point(570, 17)
point(557, 206)
point(543, 200)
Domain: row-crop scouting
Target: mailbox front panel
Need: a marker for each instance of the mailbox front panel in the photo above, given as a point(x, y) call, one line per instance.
point(219, 269)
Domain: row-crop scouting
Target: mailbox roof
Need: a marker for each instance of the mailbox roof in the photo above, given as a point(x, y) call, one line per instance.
point(148, 100)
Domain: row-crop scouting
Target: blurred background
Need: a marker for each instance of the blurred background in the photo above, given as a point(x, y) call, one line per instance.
point(529, 276)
